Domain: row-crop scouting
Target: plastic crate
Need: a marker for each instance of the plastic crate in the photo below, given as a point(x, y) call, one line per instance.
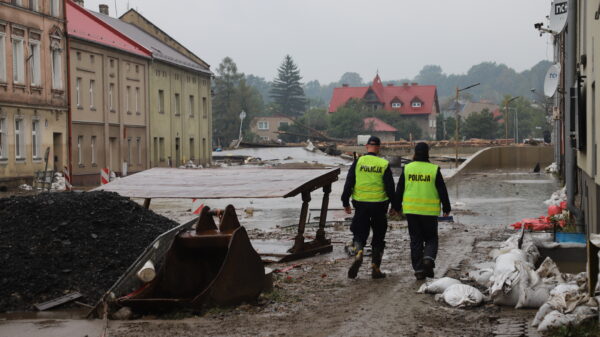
point(570, 237)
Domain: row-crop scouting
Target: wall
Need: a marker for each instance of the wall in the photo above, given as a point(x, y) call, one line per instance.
point(508, 158)
point(30, 101)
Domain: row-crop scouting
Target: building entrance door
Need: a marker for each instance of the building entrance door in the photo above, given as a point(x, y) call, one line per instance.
point(177, 152)
point(113, 155)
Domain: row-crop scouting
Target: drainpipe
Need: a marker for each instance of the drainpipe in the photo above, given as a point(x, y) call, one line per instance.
point(570, 83)
point(68, 93)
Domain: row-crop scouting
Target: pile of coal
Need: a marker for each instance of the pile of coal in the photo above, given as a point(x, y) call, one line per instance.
point(52, 244)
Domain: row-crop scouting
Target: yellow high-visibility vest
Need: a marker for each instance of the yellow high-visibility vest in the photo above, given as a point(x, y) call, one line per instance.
point(369, 179)
point(420, 194)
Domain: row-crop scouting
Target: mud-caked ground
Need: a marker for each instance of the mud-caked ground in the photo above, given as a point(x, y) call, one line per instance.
point(315, 297)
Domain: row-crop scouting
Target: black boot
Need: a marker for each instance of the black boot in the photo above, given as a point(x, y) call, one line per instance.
point(428, 265)
point(358, 259)
point(376, 258)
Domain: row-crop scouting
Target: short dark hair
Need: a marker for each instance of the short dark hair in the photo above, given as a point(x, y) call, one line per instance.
point(374, 141)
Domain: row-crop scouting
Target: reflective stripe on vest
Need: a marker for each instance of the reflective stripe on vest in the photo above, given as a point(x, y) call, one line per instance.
point(369, 179)
point(420, 194)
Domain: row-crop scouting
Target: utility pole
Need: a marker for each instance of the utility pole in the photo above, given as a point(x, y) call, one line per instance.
point(457, 126)
point(506, 116)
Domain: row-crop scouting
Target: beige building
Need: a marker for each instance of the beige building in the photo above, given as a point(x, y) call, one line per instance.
point(266, 127)
point(588, 113)
point(179, 92)
point(109, 104)
point(33, 102)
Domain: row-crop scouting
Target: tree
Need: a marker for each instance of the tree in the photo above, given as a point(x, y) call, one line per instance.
point(287, 91)
point(480, 125)
point(409, 129)
point(352, 79)
point(260, 84)
point(232, 95)
point(346, 122)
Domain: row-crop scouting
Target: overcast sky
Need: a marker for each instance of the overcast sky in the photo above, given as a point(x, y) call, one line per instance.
point(327, 38)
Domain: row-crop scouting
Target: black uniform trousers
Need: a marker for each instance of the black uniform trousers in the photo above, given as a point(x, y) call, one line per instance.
point(367, 216)
point(423, 231)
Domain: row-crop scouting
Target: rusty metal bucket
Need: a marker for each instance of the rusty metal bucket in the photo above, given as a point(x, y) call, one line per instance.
point(208, 264)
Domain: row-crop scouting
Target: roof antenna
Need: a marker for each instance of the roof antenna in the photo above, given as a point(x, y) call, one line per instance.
point(116, 12)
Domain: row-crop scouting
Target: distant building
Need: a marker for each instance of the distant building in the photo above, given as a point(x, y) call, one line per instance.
point(472, 107)
point(180, 119)
point(109, 105)
point(266, 127)
point(33, 98)
point(415, 102)
point(381, 129)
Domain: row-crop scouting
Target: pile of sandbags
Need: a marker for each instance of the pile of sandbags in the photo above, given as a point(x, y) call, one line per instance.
point(453, 292)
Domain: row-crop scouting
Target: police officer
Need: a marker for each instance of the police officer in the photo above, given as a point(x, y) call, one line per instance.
point(420, 190)
point(371, 185)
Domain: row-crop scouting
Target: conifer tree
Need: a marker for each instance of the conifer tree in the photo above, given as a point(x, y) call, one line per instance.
point(287, 92)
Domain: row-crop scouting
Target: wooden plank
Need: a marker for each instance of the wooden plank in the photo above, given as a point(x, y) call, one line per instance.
point(57, 301)
point(219, 183)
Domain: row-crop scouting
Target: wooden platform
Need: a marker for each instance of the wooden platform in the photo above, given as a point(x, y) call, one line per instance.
point(219, 183)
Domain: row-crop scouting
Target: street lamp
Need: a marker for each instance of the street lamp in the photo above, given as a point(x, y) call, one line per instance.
point(506, 116)
point(458, 120)
point(242, 116)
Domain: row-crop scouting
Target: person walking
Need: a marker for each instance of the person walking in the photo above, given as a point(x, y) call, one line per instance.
point(371, 185)
point(420, 191)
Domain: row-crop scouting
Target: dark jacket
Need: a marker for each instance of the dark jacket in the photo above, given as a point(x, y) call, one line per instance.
point(439, 185)
point(388, 182)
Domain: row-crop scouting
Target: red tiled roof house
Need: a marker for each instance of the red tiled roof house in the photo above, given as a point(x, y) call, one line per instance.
point(415, 102)
point(379, 128)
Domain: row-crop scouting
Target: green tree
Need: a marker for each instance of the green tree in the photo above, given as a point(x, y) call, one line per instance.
point(409, 129)
point(351, 79)
point(346, 122)
point(480, 125)
point(232, 95)
point(287, 91)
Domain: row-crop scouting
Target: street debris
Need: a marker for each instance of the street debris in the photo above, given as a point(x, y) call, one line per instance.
point(57, 243)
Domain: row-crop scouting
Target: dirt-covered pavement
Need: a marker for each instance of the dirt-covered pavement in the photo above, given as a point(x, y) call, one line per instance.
point(317, 299)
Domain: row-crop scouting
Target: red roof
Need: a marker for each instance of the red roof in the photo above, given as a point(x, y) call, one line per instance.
point(404, 94)
point(376, 124)
point(84, 25)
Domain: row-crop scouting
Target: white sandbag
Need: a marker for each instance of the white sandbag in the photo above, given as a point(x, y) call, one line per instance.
point(533, 297)
point(462, 295)
point(482, 276)
point(555, 319)
point(584, 312)
point(509, 298)
point(544, 310)
point(549, 270)
point(505, 263)
point(437, 286)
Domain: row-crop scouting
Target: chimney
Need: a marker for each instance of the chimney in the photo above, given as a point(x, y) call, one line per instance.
point(103, 9)
point(414, 83)
point(79, 2)
point(345, 85)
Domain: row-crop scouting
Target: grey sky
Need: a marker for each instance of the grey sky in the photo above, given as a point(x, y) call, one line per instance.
point(329, 37)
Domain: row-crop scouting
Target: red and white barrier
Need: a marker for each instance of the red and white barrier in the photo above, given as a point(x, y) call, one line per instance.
point(197, 206)
point(67, 174)
point(104, 176)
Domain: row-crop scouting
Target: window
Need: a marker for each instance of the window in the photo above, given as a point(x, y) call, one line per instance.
point(192, 145)
point(177, 105)
point(35, 139)
point(137, 100)
point(416, 104)
point(92, 85)
point(2, 54)
point(18, 2)
point(19, 139)
point(35, 5)
point(396, 105)
point(3, 141)
point(432, 123)
point(129, 151)
point(112, 63)
point(191, 106)
point(111, 90)
point(92, 59)
point(78, 56)
point(79, 154)
point(55, 7)
point(36, 77)
point(161, 101)
point(161, 147)
point(78, 92)
point(18, 61)
point(138, 141)
point(204, 108)
point(56, 69)
point(283, 124)
point(127, 95)
point(93, 148)
point(263, 125)
point(137, 68)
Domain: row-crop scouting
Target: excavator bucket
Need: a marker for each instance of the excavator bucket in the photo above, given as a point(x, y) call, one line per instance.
point(208, 264)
